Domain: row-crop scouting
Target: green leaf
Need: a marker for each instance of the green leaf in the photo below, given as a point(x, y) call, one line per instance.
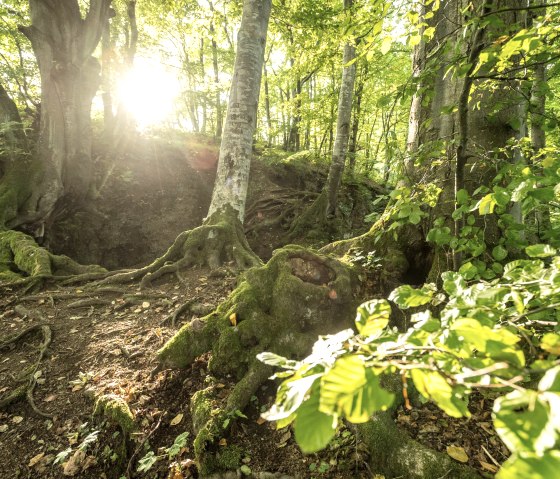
point(146, 463)
point(526, 465)
point(313, 428)
point(275, 360)
point(486, 205)
point(408, 297)
point(551, 381)
point(386, 45)
point(551, 343)
point(540, 251)
point(432, 385)
point(352, 389)
point(373, 317)
point(524, 422)
point(499, 253)
point(289, 397)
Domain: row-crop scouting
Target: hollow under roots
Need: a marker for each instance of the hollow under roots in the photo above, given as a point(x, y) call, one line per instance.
point(218, 241)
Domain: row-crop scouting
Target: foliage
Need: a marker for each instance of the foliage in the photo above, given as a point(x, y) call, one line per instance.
point(499, 336)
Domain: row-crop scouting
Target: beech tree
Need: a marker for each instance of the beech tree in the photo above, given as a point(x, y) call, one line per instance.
point(59, 173)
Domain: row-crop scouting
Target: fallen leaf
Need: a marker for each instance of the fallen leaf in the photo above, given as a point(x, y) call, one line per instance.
point(17, 419)
point(73, 466)
point(35, 459)
point(457, 453)
point(138, 310)
point(145, 305)
point(88, 462)
point(261, 420)
point(222, 442)
point(176, 420)
point(3, 428)
point(50, 398)
point(233, 319)
point(489, 467)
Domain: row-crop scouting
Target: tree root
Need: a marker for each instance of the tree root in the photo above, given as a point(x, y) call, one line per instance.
point(24, 263)
point(395, 454)
point(26, 390)
point(279, 307)
point(219, 240)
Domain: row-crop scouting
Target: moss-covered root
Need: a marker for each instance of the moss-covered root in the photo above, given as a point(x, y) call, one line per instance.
point(115, 409)
point(312, 223)
point(279, 307)
point(404, 254)
point(395, 454)
point(219, 240)
point(21, 257)
point(211, 423)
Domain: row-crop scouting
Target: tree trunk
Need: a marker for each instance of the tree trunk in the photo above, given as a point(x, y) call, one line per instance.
point(342, 124)
point(63, 43)
point(218, 106)
point(230, 189)
point(353, 145)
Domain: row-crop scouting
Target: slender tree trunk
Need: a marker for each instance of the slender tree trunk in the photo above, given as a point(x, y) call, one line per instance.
point(232, 178)
point(203, 75)
point(267, 109)
point(106, 67)
point(342, 124)
point(352, 147)
point(215, 66)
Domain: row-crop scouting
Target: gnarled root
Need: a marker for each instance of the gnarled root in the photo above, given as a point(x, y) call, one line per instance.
point(219, 240)
point(26, 389)
point(394, 454)
point(23, 261)
point(280, 307)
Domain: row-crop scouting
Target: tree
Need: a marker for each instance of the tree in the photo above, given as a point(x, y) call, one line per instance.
point(232, 179)
point(342, 123)
point(59, 173)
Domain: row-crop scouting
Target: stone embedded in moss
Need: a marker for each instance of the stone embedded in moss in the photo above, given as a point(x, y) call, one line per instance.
point(116, 410)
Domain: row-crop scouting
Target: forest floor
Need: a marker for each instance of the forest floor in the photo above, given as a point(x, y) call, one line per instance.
point(104, 341)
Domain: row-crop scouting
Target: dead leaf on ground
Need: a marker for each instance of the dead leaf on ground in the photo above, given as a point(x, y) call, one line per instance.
point(261, 420)
point(223, 442)
point(457, 453)
point(35, 459)
point(74, 464)
point(489, 467)
point(17, 419)
point(177, 419)
point(233, 319)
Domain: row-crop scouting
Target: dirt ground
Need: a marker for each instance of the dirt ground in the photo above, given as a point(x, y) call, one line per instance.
point(104, 340)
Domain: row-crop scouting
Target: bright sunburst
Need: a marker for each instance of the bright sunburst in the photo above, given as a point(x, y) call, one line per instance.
point(148, 92)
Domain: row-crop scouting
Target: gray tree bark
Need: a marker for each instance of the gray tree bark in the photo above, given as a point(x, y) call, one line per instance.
point(342, 124)
point(232, 178)
point(63, 43)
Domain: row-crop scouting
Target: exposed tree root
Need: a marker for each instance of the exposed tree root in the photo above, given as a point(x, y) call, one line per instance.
point(395, 454)
point(24, 263)
point(26, 390)
point(280, 307)
point(219, 240)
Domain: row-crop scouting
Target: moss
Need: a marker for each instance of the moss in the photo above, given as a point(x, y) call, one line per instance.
point(229, 457)
point(201, 408)
point(116, 410)
point(395, 454)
